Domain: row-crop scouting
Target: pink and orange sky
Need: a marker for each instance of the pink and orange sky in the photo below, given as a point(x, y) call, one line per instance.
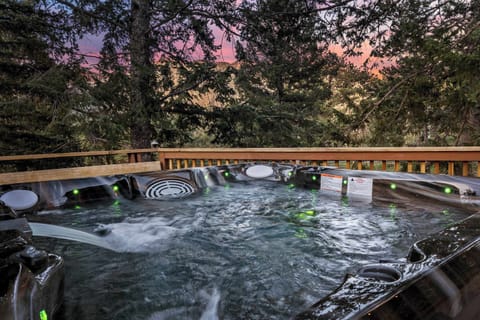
point(90, 46)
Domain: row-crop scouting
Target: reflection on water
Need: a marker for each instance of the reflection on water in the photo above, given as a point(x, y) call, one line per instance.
point(250, 251)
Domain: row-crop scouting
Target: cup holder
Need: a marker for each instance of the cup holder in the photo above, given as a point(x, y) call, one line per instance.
point(416, 255)
point(380, 273)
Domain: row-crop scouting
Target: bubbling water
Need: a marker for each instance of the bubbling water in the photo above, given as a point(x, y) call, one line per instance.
point(250, 250)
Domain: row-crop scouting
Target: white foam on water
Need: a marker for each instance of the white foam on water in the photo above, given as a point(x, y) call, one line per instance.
point(132, 235)
point(211, 311)
point(141, 234)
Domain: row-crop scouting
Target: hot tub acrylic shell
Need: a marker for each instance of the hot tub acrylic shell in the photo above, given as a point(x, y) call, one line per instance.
point(437, 279)
point(31, 284)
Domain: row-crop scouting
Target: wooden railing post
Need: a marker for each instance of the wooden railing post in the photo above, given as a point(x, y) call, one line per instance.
point(161, 158)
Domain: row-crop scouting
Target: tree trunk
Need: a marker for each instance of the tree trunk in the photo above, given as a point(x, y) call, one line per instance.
point(142, 75)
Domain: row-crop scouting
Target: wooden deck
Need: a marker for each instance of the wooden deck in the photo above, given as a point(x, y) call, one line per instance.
point(449, 160)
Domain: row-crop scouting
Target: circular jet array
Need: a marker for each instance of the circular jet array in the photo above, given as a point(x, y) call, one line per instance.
point(168, 188)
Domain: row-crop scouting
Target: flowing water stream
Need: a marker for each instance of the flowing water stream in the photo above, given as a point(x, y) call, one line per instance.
point(252, 250)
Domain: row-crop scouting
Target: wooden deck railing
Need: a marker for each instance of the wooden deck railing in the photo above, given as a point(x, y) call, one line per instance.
point(449, 160)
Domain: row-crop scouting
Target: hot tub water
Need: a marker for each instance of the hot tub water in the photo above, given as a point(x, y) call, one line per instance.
point(249, 250)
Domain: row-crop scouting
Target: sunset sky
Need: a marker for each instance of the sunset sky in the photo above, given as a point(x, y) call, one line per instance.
point(90, 45)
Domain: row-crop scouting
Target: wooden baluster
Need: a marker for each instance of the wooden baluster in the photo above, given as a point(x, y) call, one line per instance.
point(132, 158)
point(451, 168)
point(396, 166)
point(360, 165)
point(423, 167)
point(436, 167)
point(465, 170)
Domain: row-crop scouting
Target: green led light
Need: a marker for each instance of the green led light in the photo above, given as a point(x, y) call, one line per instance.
point(314, 178)
point(300, 233)
point(115, 188)
point(345, 181)
point(226, 174)
point(301, 216)
point(447, 190)
point(290, 173)
point(43, 315)
point(291, 185)
point(393, 186)
point(310, 212)
point(76, 192)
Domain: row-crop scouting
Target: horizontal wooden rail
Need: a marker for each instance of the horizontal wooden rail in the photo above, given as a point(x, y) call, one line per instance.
point(77, 173)
point(450, 160)
point(414, 159)
point(73, 154)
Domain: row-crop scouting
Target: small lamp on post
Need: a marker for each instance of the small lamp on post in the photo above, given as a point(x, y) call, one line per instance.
point(154, 143)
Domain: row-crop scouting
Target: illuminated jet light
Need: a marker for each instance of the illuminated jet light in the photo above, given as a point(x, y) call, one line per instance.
point(43, 315)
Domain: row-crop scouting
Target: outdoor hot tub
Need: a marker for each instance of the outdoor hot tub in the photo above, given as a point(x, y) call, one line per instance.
point(259, 241)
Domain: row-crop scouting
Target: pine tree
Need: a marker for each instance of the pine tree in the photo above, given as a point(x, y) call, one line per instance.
point(284, 78)
point(35, 89)
point(430, 93)
point(151, 53)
